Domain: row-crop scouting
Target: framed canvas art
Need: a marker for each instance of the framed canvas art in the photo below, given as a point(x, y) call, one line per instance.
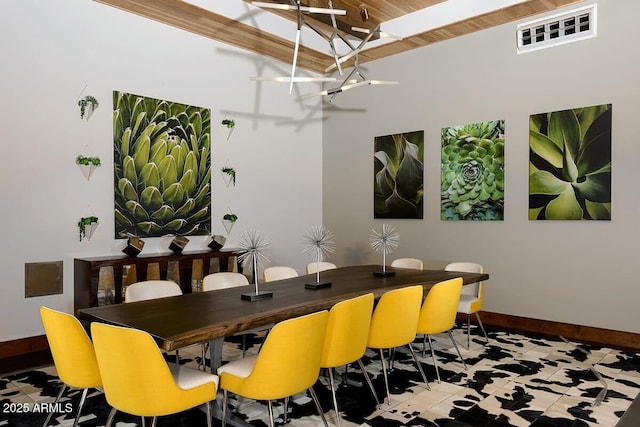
point(398, 184)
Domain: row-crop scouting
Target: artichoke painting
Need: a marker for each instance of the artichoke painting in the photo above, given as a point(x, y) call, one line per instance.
point(570, 164)
point(472, 176)
point(162, 167)
point(398, 175)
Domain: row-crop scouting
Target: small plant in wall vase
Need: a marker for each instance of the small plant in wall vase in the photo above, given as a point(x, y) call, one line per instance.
point(229, 175)
point(88, 104)
point(228, 220)
point(87, 164)
point(229, 125)
point(87, 225)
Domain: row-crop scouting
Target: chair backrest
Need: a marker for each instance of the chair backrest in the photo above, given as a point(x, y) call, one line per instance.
point(278, 272)
point(289, 360)
point(395, 319)
point(72, 350)
point(151, 289)
point(223, 280)
point(414, 263)
point(347, 331)
point(137, 379)
point(469, 267)
point(439, 309)
point(314, 267)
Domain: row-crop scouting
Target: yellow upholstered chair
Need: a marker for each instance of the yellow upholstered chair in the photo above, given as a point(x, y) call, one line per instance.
point(394, 324)
point(288, 363)
point(314, 267)
point(346, 339)
point(438, 315)
point(414, 263)
point(137, 380)
point(151, 289)
point(471, 296)
point(73, 354)
point(278, 272)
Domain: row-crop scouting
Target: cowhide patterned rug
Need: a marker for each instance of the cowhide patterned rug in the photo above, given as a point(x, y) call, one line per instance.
point(514, 380)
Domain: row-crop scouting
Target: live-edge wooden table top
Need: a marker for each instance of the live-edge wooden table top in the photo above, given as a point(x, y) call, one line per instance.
point(198, 317)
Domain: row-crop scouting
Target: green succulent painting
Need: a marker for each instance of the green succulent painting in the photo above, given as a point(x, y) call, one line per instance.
point(398, 175)
point(472, 175)
point(162, 167)
point(570, 164)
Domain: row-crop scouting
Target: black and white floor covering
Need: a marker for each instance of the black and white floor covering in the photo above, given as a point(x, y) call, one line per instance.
point(514, 380)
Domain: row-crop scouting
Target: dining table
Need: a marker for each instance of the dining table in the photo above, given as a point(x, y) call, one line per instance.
point(200, 317)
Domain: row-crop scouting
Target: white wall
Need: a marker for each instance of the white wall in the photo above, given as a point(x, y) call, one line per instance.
point(575, 272)
point(50, 51)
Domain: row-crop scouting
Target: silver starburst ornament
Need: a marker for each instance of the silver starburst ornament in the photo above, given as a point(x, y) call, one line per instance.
point(385, 241)
point(253, 246)
point(319, 242)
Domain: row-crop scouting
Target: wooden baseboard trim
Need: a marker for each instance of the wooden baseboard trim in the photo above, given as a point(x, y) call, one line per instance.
point(587, 334)
point(24, 353)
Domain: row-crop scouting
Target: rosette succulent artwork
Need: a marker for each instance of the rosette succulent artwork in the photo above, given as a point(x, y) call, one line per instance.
point(570, 164)
point(398, 175)
point(472, 176)
point(162, 167)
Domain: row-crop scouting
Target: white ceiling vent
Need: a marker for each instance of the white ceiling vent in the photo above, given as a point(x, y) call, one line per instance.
point(571, 26)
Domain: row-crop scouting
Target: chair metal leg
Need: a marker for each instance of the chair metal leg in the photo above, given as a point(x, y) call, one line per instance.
point(433, 356)
point(468, 331)
point(424, 346)
point(82, 399)
point(203, 361)
point(144, 422)
point(110, 417)
point(366, 377)
point(154, 421)
point(60, 393)
point(272, 423)
point(224, 407)
point(209, 414)
point(457, 349)
point(317, 402)
point(386, 380)
point(482, 327)
point(332, 385)
point(285, 415)
point(415, 358)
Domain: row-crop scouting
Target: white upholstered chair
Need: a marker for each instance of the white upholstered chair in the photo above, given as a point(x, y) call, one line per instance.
point(278, 272)
point(314, 267)
point(223, 280)
point(414, 263)
point(471, 296)
point(151, 289)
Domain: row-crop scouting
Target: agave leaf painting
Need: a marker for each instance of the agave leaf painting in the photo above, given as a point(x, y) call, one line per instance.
point(472, 175)
point(570, 164)
point(398, 175)
point(162, 167)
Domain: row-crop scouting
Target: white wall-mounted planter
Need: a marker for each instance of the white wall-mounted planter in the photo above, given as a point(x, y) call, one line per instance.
point(89, 229)
point(228, 224)
point(87, 170)
point(228, 178)
point(228, 131)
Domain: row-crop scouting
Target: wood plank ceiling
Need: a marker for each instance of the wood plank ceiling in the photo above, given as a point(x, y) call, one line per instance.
point(189, 17)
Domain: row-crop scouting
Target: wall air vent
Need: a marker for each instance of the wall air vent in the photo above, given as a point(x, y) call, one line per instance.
point(571, 26)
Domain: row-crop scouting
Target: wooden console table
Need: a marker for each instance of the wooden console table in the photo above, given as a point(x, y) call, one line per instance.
point(87, 272)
